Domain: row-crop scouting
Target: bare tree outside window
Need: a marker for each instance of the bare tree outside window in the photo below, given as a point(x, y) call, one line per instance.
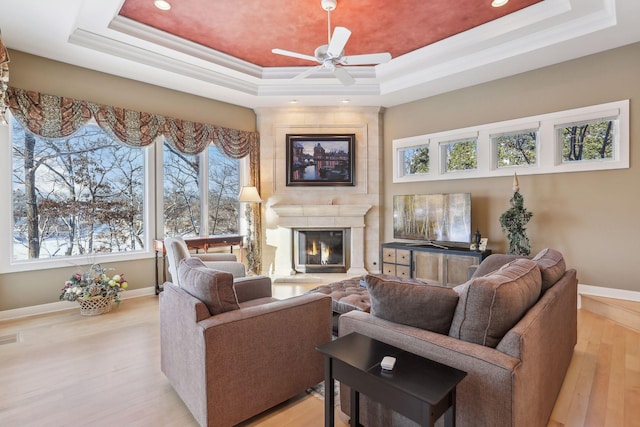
point(592, 140)
point(516, 148)
point(183, 193)
point(79, 195)
point(224, 187)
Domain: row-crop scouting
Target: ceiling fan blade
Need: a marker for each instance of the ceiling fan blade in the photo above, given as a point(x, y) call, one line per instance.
point(338, 41)
point(307, 73)
point(371, 58)
point(344, 77)
point(294, 54)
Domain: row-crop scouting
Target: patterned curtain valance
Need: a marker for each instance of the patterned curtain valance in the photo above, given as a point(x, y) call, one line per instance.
point(51, 116)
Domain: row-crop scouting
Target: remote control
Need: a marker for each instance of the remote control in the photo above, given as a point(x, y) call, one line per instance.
point(388, 363)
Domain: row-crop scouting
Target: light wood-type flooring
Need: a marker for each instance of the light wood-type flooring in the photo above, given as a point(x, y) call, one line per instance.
point(63, 369)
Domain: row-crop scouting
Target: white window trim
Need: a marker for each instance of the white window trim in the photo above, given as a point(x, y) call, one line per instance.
point(549, 159)
point(8, 265)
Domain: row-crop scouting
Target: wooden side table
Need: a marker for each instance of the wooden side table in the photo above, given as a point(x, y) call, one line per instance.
point(418, 388)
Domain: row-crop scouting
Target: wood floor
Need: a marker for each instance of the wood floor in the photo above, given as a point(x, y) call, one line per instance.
point(64, 369)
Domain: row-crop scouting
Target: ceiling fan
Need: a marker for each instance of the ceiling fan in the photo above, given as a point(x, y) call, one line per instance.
point(331, 56)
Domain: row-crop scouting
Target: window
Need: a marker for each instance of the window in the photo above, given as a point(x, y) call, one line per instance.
point(583, 139)
point(76, 196)
point(224, 187)
point(516, 148)
point(460, 155)
point(588, 140)
point(415, 160)
point(190, 194)
point(181, 199)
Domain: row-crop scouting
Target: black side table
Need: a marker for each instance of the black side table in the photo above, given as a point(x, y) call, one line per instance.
point(418, 388)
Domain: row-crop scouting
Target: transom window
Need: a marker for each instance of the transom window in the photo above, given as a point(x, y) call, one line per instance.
point(460, 155)
point(583, 139)
point(516, 148)
point(588, 140)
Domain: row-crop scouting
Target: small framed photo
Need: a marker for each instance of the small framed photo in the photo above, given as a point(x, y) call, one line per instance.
point(483, 244)
point(321, 160)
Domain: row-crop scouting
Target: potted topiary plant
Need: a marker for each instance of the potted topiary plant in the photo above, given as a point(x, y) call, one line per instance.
point(513, 222)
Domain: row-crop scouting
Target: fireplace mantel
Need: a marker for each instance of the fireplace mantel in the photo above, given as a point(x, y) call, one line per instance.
point(319, 216)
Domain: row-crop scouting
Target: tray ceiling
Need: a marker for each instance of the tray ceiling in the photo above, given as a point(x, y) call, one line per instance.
point(222, 50)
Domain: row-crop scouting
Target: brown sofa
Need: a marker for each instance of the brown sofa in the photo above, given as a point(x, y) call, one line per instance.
point(514, 384)
point(241, 352)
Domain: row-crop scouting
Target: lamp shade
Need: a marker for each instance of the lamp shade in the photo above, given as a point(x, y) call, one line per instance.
point(249, 194)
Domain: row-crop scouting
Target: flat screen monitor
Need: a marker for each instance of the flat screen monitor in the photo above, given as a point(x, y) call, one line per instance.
point(433, 217)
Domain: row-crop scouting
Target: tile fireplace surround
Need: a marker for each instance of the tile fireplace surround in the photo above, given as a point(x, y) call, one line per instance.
point(318, 217)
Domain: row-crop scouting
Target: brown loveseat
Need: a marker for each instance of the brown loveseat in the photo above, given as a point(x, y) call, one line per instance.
point(514, 384)
point(234, 351)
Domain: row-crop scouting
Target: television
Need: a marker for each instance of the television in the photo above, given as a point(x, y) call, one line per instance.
point(433, 218)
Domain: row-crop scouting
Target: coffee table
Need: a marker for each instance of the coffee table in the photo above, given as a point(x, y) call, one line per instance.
point(418, 388)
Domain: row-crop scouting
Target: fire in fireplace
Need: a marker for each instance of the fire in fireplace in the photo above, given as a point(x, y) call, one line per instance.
point(320, 250)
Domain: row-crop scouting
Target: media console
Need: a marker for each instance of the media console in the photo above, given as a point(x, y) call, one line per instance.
point(426, 262)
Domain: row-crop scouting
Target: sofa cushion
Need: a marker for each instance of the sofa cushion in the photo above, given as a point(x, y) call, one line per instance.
point(412, 303)
point(213, 287)
point(552, 267)
point(491, 305)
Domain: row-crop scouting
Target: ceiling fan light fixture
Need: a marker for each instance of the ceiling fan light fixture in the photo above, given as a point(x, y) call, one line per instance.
point(499, 3)
point(329, 5)
point(162, 4)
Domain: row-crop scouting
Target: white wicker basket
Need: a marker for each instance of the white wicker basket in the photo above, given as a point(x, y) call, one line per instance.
point(95, 305)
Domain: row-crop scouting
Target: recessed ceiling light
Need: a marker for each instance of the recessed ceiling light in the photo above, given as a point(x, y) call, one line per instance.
point(498, 3)
point(162, 4)
point(345, 101)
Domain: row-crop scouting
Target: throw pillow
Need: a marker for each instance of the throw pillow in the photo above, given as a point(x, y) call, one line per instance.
point(491, 305)
point(412, 303)
point(213, 287)
point(552, 267)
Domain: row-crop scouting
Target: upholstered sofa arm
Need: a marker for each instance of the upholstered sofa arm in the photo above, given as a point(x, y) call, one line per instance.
point(252, 287)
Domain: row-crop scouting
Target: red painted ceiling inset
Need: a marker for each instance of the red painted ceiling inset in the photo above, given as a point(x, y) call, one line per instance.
point(249, 29)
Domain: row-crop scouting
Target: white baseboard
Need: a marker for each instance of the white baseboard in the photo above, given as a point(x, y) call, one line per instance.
point(598, 291)
point(64, 305)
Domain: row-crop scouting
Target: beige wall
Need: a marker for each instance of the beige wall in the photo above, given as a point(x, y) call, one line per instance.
point(35, 73)
point(592, 217)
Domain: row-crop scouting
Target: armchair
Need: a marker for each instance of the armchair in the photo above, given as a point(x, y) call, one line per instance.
point(177, 250)
point(254, 354)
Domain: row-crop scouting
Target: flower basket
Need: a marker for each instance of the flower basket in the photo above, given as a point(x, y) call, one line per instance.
point(95, 305)
point(94, 290)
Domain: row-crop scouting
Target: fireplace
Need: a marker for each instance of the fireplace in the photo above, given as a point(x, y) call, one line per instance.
point(349, 218)
point(320, 250)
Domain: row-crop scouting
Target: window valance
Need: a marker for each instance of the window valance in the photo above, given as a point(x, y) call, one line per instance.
point(52, 116)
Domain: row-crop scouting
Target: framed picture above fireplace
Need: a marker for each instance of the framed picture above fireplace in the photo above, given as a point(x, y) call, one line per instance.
point(321, 160)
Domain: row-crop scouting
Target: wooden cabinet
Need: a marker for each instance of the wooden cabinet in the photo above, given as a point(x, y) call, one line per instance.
point(396, 262)
point(430, 264)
